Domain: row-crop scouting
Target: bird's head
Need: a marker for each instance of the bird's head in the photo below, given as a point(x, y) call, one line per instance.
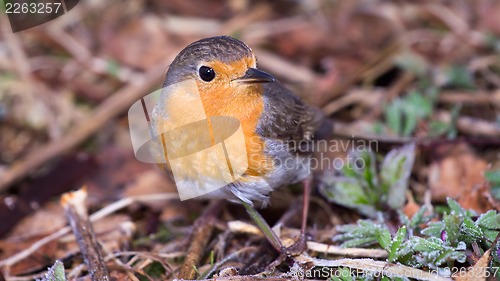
point(223, 67)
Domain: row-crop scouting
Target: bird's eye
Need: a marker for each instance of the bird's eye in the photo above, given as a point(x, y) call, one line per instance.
point(207, 74)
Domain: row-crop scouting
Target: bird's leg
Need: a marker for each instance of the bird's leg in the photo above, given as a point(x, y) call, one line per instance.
point(301, 244)
point(298, 247)
point(271, 237)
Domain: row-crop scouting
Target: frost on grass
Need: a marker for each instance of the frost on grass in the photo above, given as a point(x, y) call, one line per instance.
point(437, 245)
point(55, 273)
point(361, 185)
point(375, 188)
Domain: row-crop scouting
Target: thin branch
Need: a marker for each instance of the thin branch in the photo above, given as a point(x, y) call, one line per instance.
point(84, 56)
point(348, 252)
point(472, 126)
point(384, 56)
point(202, 231)
point(77, 216)
point(481, 98)
point(284, 68)
point(364, 97)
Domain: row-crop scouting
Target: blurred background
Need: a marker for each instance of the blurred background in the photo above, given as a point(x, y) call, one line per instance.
point(393, 71)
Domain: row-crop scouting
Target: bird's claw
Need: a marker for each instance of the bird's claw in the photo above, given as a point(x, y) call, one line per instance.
point(298, 247)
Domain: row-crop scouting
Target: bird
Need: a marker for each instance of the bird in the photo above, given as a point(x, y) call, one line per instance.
point(276, 125)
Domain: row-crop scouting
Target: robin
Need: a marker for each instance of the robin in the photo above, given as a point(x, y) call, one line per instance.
point(276, 124)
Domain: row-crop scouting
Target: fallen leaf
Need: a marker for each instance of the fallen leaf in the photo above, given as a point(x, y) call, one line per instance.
point(477, 197)
point(36, 261)
point(459, 175)
point(44, 221)
point(479, 272)
point(150, 182)
point(117, 168)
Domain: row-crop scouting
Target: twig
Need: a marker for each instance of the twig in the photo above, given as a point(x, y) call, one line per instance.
point(348, 252)
point(114, 257)
point(77, 216)
point(264, 29)
point(457, 24)
point(395, 90)
point(491, 77)
point(383, 56)
point(470, 125)
point(34, 247)
point(109, 109)
point(228, 258)
point(470, 98)
point(171, 255)
point(485, 133)
point(252, 30)
point(22, 64)
point(366, 97)
point(116, 206)
point(190, 26)
point(284, 68)
point(84, 56)
point(202, 230)
point(19, 57)
point(31, 277)
point(145, 255)
point(371, 97)
point(245, 18)
point(243, 227)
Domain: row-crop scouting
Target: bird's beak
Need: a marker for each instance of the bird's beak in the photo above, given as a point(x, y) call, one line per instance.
point(254, 75)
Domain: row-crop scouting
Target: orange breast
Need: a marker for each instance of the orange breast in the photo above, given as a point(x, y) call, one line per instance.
point(247, 105)
point(240, 101)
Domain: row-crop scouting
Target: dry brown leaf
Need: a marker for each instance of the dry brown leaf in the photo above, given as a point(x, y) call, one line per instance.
point(459, 175)
point(44, 221)
point(150, 182)
point(479, 272)
point(478, 198)
point(118, 168)
point(153, 182)
point(37, 261)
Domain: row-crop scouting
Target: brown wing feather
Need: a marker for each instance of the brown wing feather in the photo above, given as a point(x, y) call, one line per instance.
point(287, 117)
